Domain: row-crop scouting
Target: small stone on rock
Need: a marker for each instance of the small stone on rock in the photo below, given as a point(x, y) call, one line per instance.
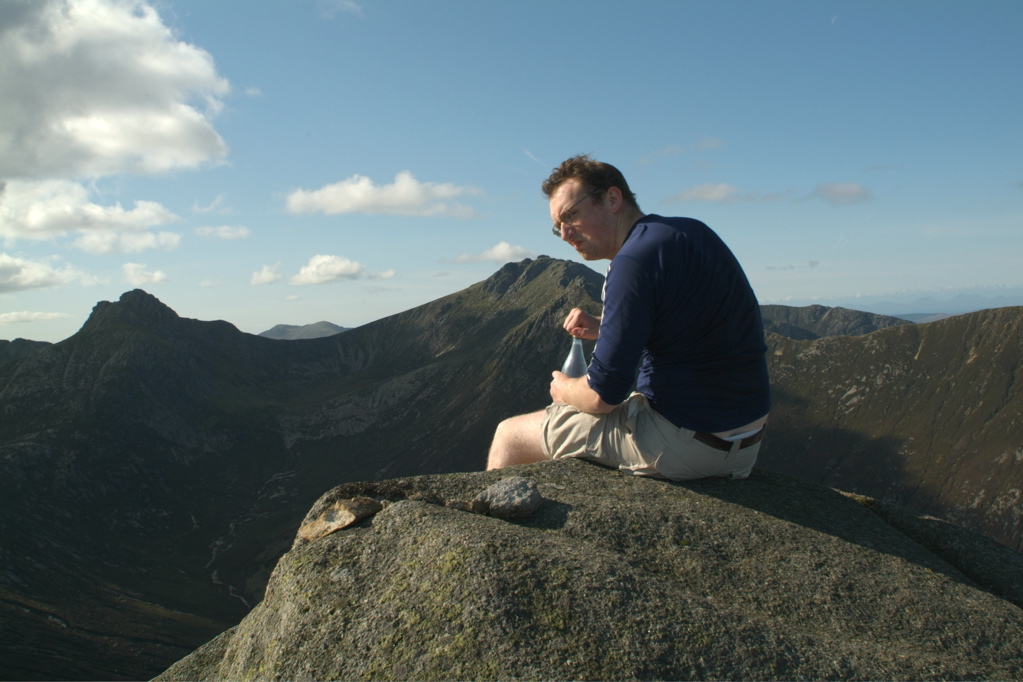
point(510, 498)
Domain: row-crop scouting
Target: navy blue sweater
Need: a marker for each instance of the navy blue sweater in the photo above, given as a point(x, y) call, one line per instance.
point(678, 305)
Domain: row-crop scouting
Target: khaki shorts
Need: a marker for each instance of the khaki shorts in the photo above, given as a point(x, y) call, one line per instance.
point(635, 438)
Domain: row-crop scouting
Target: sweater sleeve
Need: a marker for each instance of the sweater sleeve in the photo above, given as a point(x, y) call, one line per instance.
point(624, 329)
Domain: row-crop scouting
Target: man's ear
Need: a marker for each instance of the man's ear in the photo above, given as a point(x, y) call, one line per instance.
point(614, 196)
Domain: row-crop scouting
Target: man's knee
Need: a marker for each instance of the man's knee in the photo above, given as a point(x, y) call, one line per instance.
point(505, 429)
point(517, 440)
point(523, 430)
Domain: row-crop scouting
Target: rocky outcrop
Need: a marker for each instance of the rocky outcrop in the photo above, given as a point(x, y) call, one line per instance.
point(619, 577)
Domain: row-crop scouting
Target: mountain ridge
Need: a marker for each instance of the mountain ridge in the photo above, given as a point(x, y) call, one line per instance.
point(816, 321)
point(813, 321)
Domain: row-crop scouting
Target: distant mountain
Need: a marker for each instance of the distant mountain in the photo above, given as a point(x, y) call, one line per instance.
point(291, 332)
point(816, 321)
point(953, 305)
point(923, 318)
point(923, 416)
point(913, 305)
point(153, 468)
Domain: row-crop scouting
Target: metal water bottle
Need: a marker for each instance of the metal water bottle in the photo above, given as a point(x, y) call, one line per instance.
point(575, 363)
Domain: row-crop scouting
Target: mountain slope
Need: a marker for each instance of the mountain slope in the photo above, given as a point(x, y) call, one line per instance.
point(167, 461)
point(925, 416)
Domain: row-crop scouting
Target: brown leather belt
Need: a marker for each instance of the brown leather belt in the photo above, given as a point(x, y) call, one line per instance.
point(722, 444)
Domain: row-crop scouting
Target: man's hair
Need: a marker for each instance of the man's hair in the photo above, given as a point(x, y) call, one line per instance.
point(596, 175)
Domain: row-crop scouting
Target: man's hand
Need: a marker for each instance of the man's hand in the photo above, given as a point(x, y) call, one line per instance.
point(559, 386)
point(577, 393)
point(582, 325)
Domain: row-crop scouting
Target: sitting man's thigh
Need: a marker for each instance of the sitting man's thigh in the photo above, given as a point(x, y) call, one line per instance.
point(634, 438)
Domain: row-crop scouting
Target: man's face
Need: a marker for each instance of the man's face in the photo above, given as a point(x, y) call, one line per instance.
point(585, 222)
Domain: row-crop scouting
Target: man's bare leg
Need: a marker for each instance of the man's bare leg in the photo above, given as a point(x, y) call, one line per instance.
point(517, 441)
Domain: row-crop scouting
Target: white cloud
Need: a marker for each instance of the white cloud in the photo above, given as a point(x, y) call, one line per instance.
point(405, 196)
point(532, 156)
point(17, 274)
point(332, 7)
point(136, 274)
point(99, 87)
point(49, 209)
point(321, 269)
point(212, 206)
point(841, 192)
point(268, 274)
point(26, 316)
point(724, 193)
point(708, 142)
point(502, 252)
point(716, 193)
point(663, 153)
point(224, 232)
point(52, 208)
point(705, 143)
point(101, 243)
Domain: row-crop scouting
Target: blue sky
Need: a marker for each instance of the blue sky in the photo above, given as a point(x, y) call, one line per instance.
point(268, 162)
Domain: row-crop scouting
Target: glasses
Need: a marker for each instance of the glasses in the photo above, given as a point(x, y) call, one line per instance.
point(568, 215)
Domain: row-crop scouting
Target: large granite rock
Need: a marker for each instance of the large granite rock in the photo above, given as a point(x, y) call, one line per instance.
point(617, 577)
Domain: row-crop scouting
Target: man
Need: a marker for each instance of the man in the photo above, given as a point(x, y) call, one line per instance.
point(678, 306)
